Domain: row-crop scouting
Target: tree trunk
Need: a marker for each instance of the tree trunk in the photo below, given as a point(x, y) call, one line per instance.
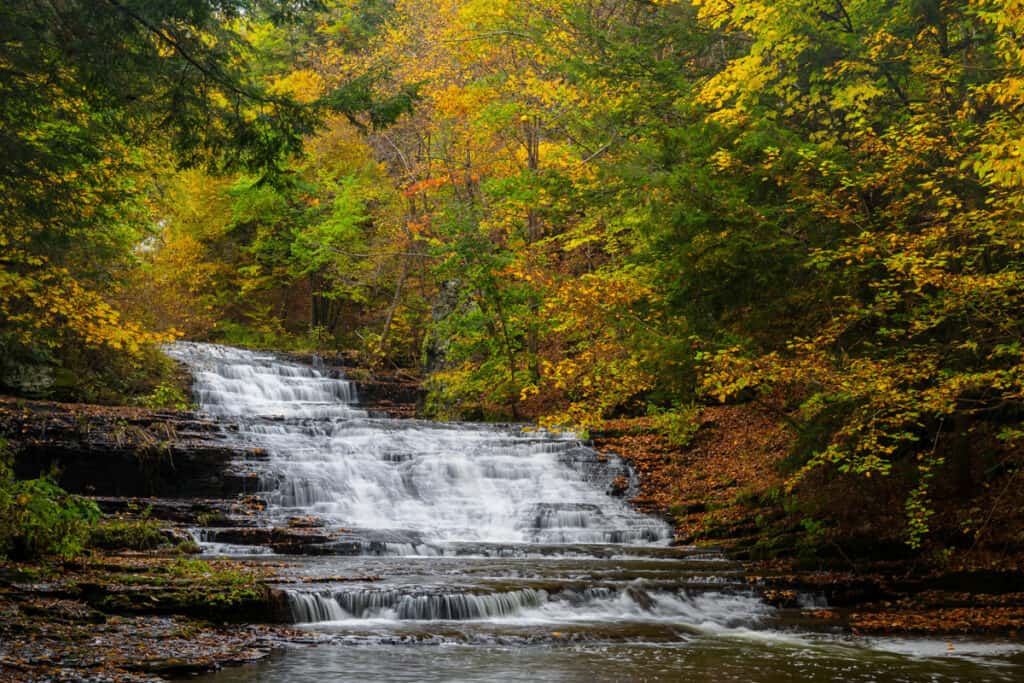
point(394, 305)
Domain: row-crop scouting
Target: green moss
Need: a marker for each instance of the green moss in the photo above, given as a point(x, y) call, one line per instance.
point(127, 534)
point(184, 586)
point(188, 548)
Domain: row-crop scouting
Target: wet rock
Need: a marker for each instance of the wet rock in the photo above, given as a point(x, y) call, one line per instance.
point(125, 649)
point(60, 610)
point(283, 540)
point(278, 606)
point(619, 486)
point(641, 598)
point(305, 522)
point(173, 666)
point(118, 451)
point(781, 598)
point(218, 604)
point(839, 590)
point(193, 512)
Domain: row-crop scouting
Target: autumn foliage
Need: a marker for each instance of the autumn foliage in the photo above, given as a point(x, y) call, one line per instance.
point(563, 211)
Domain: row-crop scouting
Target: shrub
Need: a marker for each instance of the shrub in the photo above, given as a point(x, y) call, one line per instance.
point(165, 396)
point(39, 518)
point(679, 424)
point(127, 534)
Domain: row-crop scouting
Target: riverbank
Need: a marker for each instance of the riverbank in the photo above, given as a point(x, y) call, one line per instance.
point(728, 488)
point(136, 618)
point(139, 615)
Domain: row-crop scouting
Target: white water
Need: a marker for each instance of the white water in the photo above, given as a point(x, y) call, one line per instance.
point(434, 482)
point(534, 607)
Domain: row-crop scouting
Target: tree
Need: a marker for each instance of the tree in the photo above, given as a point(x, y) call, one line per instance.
point(86, 88)
point(897, 119)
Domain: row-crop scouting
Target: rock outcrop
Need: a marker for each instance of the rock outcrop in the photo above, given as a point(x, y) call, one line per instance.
point(123, 451)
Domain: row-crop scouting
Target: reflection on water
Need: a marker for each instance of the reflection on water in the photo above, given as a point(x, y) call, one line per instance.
point(723, 660)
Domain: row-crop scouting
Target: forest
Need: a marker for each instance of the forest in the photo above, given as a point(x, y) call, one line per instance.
point(609, 216)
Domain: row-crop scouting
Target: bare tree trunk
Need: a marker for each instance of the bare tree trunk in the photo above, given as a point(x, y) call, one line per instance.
point(314, 302)
point(394, 304)
point(511, 356)
point(534, 232)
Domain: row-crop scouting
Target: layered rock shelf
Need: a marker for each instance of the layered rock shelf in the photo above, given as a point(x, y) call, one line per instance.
point(120, 451)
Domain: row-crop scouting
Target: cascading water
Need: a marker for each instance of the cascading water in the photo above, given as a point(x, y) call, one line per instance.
point(429, 482)
point(487, 538)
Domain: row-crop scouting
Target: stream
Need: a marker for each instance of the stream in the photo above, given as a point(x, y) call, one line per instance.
point(495, 553)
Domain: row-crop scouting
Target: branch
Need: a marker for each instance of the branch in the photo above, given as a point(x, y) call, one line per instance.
point(490, 34)
point(846, 15)
point(171, 40)
point(368, 254)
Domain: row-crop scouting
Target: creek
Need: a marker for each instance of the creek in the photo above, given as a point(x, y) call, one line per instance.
point(487, 552)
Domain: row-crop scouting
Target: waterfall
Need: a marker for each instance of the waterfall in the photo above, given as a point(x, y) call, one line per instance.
point(501, 543)
point(443, 482)
point(395, 604)
point(590, 604)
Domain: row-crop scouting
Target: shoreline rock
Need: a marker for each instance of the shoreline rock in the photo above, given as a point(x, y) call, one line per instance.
point(136, 618)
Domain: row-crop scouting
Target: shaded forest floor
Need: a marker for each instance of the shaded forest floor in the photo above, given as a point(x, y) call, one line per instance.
point(839, 538)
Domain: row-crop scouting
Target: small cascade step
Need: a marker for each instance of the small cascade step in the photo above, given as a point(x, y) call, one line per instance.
point(396, 604)
point(628, 602)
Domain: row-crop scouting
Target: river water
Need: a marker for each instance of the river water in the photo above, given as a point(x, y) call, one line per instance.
point(460, 552)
